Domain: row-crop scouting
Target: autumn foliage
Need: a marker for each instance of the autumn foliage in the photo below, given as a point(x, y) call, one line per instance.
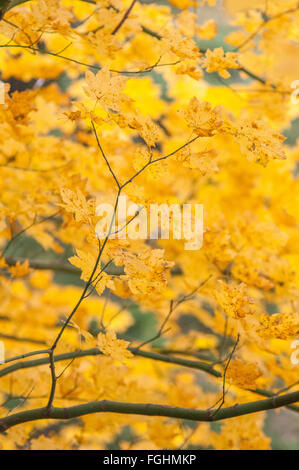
point(140, 343)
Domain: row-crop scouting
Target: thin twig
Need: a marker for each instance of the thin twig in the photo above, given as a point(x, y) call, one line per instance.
point(214, 413)
point(124, 18)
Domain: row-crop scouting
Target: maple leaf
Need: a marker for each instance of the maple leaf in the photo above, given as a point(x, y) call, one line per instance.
point(182, 46)
point(85, 262)
point(106, 89)
point(111, 346)
point(280, 325)
point(208, 30)
point(20, 269)
point(76, 203)
point(52, 15)
point(3, 263)
point(259, 143)
point(147, 129)
point(234, 299)
point(147, 273)
point(219, 61)
point(202, 118)
point(21, 104)
point(243, 374)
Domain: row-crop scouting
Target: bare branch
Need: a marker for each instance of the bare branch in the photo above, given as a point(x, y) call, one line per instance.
point(147, 409)
point(124, 18)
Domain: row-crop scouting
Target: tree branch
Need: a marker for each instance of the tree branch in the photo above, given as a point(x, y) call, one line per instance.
point(147, 409)
point(144, 29)
point(124, 18)
point(58, 266)
point(197, 365)
point(96, 352)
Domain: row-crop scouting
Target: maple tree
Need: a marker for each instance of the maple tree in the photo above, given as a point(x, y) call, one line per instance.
point(108, 98)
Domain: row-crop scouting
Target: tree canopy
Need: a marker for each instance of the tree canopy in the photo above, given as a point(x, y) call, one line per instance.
point(140, 343)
